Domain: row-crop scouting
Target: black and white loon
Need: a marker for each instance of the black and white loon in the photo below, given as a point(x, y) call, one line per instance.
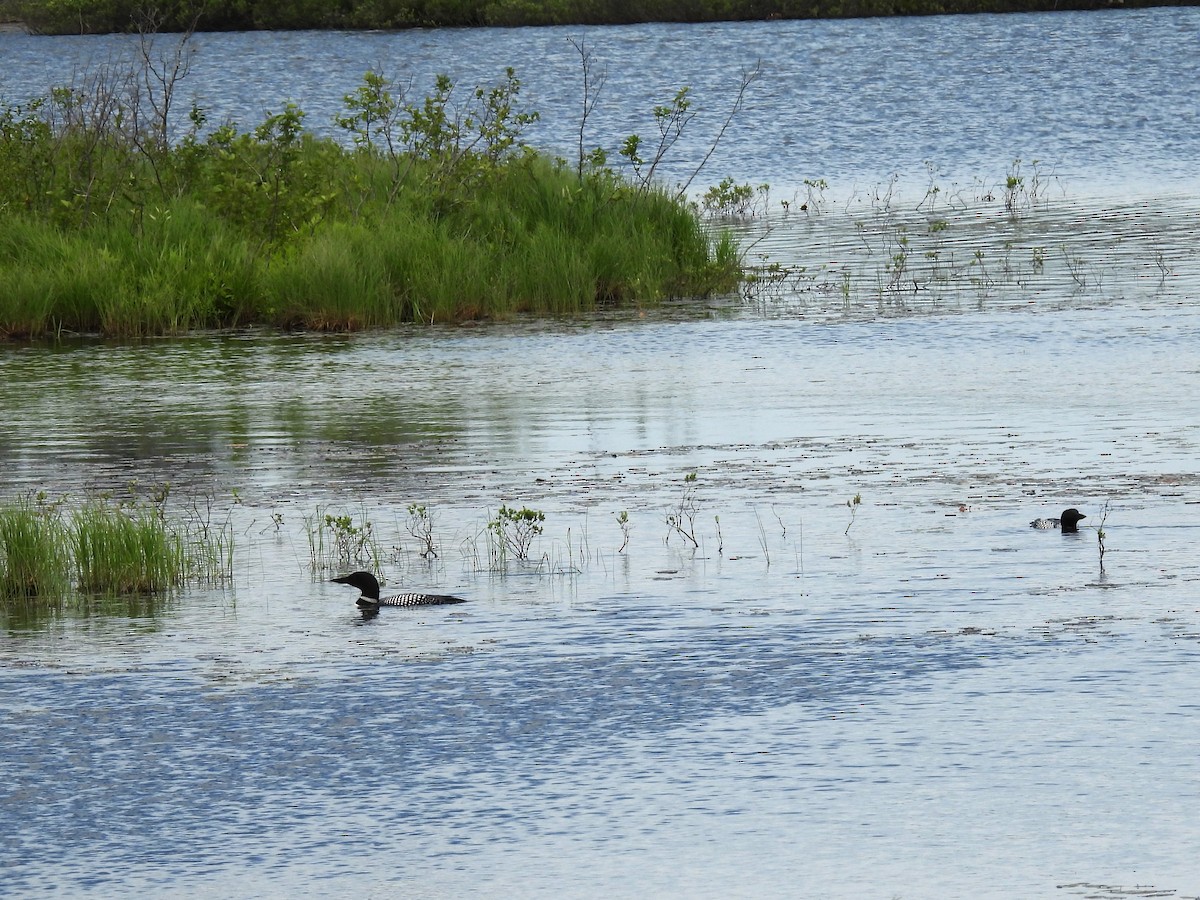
point(370, 599)
point(1068, 521)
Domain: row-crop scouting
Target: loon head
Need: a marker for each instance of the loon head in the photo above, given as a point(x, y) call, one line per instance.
point(364, 581)
point(1070, 519)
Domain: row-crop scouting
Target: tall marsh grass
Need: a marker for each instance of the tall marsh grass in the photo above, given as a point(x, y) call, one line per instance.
point(106, 548)
point(434, 212)
point(123, 551)
point(33, 552)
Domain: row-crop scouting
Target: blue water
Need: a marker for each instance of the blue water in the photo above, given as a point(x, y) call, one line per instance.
point(938, 700)
point(550, 763)
point(922, 697)
point(1103, 99)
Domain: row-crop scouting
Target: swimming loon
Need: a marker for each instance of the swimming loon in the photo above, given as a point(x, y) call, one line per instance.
point(1068, 520)
point(370, 599)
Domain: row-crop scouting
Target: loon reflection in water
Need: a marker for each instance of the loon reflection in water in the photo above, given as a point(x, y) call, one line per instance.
point(370, 601)
point(1068, 521)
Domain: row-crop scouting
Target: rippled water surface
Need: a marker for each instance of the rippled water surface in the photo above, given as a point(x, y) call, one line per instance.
point(918, 696)
point(1105, 99)
point(941, 702)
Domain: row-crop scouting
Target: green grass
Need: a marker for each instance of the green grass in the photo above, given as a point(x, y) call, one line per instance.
point(34, 560)
point(103, 550)
point(120, 551)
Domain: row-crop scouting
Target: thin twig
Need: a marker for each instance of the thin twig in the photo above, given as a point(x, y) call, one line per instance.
point(748, 78)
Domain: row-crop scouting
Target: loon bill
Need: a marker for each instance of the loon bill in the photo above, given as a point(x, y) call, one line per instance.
point(368, 585)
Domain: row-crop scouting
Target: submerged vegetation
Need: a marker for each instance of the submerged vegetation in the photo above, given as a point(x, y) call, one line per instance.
point(105, 547)
point(122, 217)
point(959, 245)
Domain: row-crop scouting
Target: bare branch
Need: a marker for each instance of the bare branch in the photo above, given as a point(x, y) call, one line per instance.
point(593, 86)
point(748, 78)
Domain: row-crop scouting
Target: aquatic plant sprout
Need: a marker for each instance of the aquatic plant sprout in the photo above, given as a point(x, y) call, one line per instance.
point(682, 519)
point(420, 526)
point(338, 539)
point(514, 530)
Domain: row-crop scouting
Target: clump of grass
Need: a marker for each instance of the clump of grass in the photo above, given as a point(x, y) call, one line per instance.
point(107, 548)
point(209, 542)
point(125, 550)
point(33, 551)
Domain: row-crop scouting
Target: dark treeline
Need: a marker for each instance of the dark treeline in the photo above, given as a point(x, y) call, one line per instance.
point(101, 16)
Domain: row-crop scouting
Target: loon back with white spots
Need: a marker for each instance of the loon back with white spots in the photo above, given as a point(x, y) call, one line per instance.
point(1068, 521)
point(368, 585)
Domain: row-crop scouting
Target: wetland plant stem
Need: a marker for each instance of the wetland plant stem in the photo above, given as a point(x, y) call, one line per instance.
point(1100, 534)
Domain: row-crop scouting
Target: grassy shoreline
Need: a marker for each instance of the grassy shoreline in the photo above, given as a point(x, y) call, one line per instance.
point(104, 16)
point(433, 211)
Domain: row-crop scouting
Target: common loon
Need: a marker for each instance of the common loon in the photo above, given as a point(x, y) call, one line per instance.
point(370, 599)
point(1069, 520)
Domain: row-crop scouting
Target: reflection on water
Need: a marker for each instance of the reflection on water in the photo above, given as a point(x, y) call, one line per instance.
point(65, 613)
point(930, 699)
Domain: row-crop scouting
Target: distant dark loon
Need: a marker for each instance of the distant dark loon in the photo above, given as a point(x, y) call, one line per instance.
point(370, 599)
point(1069, 520)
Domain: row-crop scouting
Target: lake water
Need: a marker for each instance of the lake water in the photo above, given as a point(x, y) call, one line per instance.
point(916, 697)
point(1104, 99)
